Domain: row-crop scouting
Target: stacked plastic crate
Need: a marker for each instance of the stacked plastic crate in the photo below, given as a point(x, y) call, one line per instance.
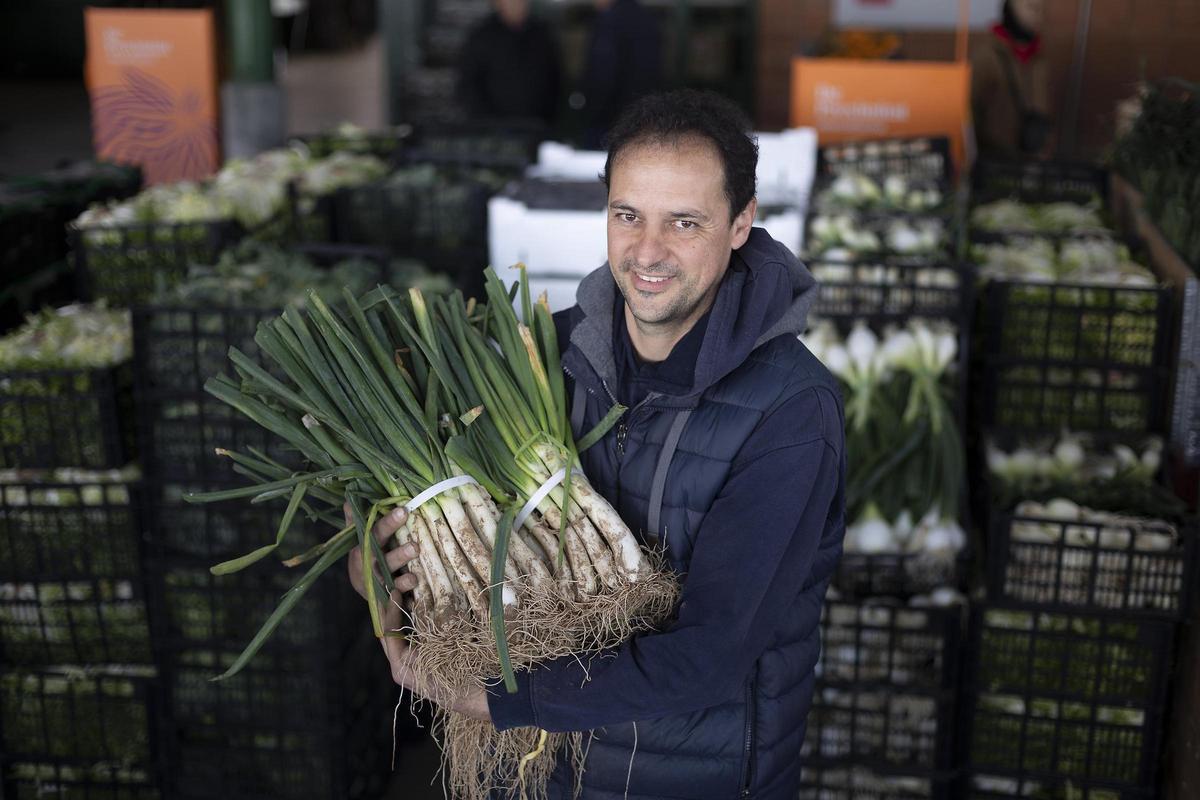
point(433, 208)
point(883, 722)
point(1071, 654)
point(310, 716)
point(33, 244)
point(78, 687)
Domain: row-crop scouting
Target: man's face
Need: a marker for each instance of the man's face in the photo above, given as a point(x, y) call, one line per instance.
point(512, 12)
point(1029, 13)
point(669, 233)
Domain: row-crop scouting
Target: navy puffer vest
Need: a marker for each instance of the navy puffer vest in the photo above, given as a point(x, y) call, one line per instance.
point(662, 467)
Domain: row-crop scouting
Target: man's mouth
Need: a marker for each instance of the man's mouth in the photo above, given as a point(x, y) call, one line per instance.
point(652, 278)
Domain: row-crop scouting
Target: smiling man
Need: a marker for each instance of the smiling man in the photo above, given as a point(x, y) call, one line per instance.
point(729, 458)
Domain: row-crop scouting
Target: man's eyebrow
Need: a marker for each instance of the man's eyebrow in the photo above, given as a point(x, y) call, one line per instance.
point(619, 206)
point(689, 213)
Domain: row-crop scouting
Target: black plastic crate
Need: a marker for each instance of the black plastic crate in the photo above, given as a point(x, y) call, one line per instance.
point(31, 234)
point(176, 349)
point(1109, 327)
point(920, 158)
point(86, 716)
point(207, 533)
point(127, 264)
point(67, 531)
point(1037, 181)
point(87, 621)
point(897, 574)
point(1085, 358)
point(873, 644)
point(1067, 696)
point(854, 782)
point(993, 786)
point(48, 779)
point(67, 418)
point(443, 225)
point(1131, 567)
point(507, 148)
point(312, 725)
point(892, 292)
point(194, 608)
point(180, 426)
point(887, 727)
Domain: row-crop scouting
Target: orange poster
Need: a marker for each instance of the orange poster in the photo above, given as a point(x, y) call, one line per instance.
point(845, 99)
point(153, 85)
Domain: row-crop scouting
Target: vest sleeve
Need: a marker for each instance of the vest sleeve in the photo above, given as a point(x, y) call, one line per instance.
point(753, 557)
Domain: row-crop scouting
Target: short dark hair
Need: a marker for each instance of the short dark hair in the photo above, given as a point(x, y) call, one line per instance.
point(669, 117)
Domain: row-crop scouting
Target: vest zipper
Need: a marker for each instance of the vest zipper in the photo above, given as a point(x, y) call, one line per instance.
point(748, 752)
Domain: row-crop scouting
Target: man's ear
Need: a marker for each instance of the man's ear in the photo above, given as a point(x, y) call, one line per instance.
point(743, 222)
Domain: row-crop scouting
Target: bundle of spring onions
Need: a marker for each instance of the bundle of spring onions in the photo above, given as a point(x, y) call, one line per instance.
point(457, 411)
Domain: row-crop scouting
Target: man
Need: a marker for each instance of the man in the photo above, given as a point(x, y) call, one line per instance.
point(509, 67)
point(730, 456)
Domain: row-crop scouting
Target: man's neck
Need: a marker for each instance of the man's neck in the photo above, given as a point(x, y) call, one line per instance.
point(654, 343)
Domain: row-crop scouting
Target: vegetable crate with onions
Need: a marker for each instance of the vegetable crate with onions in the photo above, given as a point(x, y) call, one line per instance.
point(863, 783)
point(982, 786)
point(1039, 182)
point(126, 263)
point(71, 580)
point(922, 159)
point(1040, 557)
point(1067, 696)
point(23, 779)
point(885, 690)
point(82, 732)
point(507, 148)
point(894, 333)
point(183, 337)
point(67, 417)
point(296, 723)
point(1083, 357)
point(385, 144)
point(435, 214)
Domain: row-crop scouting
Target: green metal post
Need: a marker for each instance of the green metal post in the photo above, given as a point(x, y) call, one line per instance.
point(248, 26)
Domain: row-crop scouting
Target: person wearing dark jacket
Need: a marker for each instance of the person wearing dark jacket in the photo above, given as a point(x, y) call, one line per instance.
point(1010, 103)
point(730, 458)
point(509, 67)
point(624, 62)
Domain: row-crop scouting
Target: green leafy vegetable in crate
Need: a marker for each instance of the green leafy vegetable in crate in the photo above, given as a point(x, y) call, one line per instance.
point(1115, 478)
point(50, 519)
point(1016, 217)
point(76, 713)
point(906, 462)
point(1095, 260)
point(842, 237)
point(70, 337)
point(854, 190)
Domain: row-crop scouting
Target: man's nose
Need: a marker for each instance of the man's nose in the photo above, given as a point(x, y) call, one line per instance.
point(650, 247)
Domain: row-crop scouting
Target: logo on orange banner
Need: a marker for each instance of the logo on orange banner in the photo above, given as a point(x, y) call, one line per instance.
point(848, 100)
point(152, 79)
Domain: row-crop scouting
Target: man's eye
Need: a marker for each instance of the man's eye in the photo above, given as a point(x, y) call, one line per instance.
point(627, 217)
point(684, 224)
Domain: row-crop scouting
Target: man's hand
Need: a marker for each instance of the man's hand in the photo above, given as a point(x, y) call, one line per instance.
point(400, 655)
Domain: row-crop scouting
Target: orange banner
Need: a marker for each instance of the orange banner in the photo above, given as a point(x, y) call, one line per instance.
point(153, 84)
point(848, 100)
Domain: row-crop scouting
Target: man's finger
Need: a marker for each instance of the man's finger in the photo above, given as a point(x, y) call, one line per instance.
point(387, 526)
point(401, 555)
point(406, 582)
point(349, 515)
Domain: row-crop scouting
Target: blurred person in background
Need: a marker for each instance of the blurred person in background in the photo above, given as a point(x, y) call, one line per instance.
point(1009, 85)
point(509, 68)
point(624, 62)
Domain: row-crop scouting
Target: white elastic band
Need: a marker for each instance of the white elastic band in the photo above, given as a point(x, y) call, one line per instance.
point(540, 494)
point(436, 489)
